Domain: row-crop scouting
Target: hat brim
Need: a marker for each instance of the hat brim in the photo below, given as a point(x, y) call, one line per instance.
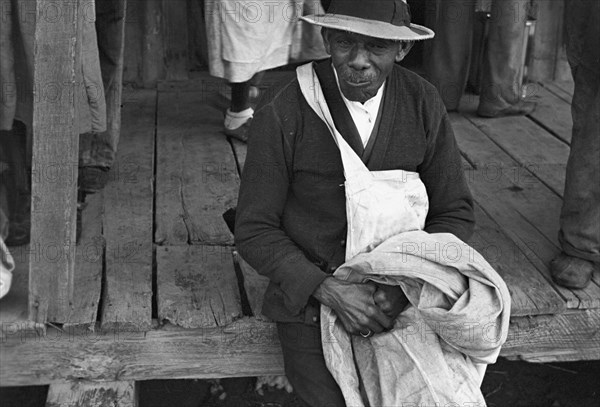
point(370, 28)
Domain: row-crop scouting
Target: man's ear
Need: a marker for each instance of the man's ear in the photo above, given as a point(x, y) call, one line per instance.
point(324, 34)
point(404, 49)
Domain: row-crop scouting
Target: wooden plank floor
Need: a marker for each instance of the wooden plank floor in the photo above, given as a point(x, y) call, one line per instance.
point(157, 257)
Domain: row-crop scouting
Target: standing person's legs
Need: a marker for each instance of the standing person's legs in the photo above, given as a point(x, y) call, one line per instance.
point(98, 150)
point(240, 113)
point(447, 56)
point(579, 234)
point(502, 63)
point(305, 365)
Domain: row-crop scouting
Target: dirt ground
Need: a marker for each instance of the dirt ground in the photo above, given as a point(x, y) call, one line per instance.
point(507, 384)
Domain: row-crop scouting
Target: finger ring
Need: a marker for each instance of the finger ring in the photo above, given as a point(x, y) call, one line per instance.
point(367, 334)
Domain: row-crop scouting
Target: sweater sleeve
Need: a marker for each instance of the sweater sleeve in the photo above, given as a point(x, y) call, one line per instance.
point(450, 201)
point(259, 236)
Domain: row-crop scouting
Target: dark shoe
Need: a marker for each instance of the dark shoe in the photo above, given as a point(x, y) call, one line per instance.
point(240, 133)
point(92, 179)
point(19, 233)
point(521, 108)
point(19, 221)
point(571, 272)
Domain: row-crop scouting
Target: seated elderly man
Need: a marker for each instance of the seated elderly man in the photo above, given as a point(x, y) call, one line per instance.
point(293, 221)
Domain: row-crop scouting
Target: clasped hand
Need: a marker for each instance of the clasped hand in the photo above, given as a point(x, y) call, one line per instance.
point(362, 307)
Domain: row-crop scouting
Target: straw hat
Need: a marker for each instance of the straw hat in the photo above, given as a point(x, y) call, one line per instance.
point(387, 19)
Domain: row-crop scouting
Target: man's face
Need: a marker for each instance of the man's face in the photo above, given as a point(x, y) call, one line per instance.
point(362, 63)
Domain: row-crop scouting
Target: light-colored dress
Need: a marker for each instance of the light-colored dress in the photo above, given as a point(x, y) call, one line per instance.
point(246, 37)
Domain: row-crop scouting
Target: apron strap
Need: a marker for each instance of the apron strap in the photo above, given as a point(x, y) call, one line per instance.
point(313, 93)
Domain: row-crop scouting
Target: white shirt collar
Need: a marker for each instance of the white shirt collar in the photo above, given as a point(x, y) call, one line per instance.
point(364, 115)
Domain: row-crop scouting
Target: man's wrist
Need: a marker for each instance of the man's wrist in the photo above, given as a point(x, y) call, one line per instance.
point(323, 293)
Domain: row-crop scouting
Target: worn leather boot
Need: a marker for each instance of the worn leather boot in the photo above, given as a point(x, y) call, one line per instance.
point(571, 272)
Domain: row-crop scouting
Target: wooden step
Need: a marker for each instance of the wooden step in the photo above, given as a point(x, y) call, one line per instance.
point(102, 394)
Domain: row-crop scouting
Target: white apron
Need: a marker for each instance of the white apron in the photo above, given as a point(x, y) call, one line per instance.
point(379, 204)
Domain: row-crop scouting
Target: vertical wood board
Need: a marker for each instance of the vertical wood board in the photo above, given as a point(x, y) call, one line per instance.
point(89, 258)
point(197, 178)
point(128, 219)
point(54, 165)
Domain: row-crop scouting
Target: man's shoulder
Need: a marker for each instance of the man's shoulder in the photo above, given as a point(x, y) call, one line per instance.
point(281, 93)
point(412, 80)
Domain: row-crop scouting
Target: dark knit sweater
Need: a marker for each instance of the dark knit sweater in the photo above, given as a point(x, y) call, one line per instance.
point(291, 215)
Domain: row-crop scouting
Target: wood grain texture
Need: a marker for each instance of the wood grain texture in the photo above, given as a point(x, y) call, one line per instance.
point(555, 338)
point(128, 219)
point(89, 258)
point(54, 166)
point(530, 293)
point(553, 113)
point(246, 347)
point(562, 89)
point(523, 207)
point(105, 394)
point(255, 286)
point(521, 139)
point(197, 178)
point(197, 286)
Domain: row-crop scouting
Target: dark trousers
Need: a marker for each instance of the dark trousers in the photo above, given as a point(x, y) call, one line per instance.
point(99, 149)
point(305, 365)
point(447, 56)
point(579, 234)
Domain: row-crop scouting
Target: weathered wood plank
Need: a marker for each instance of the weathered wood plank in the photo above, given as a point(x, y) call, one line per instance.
point(105, 394)
point(522, 139)
point(197, 286)
point(553, 113)
point(128, 222)
point(197, 178)
point(88, 264)
point(530, 293)
point(246, 347)
point(512, 196)
point(550, 338)
point(255, 286)
point(54, 165)
point(562, 89)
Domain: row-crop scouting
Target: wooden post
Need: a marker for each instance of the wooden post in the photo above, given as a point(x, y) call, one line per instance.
point(54, 162)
